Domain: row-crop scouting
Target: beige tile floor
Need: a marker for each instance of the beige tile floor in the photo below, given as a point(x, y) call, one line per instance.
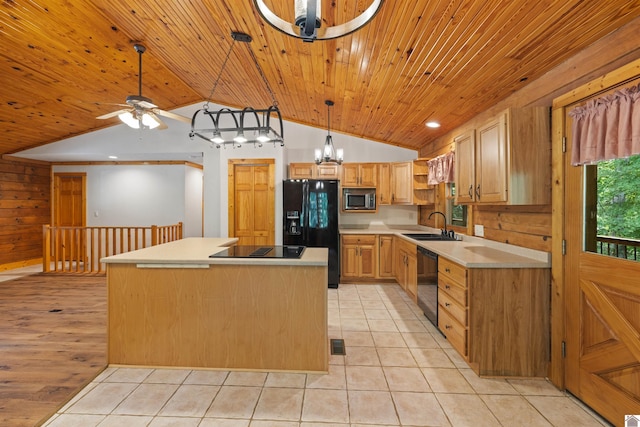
point(398, 371)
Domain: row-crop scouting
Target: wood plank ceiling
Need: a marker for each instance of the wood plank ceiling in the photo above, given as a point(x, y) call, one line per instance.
point(417, 60)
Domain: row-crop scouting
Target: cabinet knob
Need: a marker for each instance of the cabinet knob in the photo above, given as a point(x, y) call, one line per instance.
point(447, 270)
point(447, 326)
point(446, 304)
point(447, 287)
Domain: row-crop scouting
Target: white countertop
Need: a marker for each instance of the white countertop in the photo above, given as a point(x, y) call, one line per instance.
point(470, 252)
point(193, 252)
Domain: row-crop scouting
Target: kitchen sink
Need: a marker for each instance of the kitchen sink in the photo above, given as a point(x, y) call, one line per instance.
point(428, 236)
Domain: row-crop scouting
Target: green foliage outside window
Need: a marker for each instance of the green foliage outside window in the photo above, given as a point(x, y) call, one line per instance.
point(619, 198)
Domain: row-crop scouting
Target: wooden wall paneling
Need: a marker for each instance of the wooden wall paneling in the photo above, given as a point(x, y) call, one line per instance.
point(25, 206)
point(527, 226)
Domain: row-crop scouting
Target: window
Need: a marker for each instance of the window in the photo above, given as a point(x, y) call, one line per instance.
point(612, 208)
point(456, 214)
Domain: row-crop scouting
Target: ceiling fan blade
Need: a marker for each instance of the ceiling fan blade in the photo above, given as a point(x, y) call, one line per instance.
point(171, 115)
point(113, 114)
point(162, 125)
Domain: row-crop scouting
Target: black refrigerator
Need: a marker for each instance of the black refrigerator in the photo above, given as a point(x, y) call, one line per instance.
point(310, 209)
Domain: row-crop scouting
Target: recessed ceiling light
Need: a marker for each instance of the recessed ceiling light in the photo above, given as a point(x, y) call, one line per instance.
point(113, 157)
point(433, 124)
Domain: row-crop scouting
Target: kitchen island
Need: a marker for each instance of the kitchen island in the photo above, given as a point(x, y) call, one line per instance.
point(172, 305)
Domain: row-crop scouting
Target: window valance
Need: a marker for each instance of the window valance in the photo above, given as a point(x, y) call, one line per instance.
point(607, 128)
point(441, 169)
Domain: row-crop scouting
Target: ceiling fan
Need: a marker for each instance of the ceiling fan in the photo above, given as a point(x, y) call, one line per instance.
point(140, 111)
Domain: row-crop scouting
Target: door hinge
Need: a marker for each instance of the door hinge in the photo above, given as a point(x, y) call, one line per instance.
point(564, 144)
point(564, 349)
point(564, 247)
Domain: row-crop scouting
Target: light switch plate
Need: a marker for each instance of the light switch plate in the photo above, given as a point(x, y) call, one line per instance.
point(478, 230)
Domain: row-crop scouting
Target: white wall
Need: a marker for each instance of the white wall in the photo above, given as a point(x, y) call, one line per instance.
point(142, 195)
point(161, 188)
point(193, 202)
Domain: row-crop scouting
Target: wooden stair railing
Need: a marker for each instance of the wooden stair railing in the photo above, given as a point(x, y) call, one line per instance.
point(79, 249)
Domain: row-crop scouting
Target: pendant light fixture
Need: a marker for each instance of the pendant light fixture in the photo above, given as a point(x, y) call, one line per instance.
point(328, 154)
point(307, 24)
point(239, 127)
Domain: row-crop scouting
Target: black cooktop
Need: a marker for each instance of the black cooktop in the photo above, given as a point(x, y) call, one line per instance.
point(247, 251)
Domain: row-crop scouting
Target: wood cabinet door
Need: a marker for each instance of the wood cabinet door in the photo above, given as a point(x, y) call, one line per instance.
point(412, 277)
point(350, 175)
point(350, 260)
point(385, 256)
point(465, 167)
point(368, 174)
point(401, 183)
point(302, 170)
point(327, 171)
point(383, 192)
point(368, 261)
point(491, 162)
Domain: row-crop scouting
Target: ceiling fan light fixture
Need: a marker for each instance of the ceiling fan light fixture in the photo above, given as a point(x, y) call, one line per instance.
point(128, 119)
point(149, 121)
point(307, 23)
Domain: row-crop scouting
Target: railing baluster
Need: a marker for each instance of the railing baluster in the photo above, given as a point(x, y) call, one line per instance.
point(78, 250)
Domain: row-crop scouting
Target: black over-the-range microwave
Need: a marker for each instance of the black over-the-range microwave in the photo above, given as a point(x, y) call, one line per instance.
point(359, 199)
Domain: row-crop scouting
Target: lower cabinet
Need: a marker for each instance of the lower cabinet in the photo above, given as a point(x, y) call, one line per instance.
point(406, 267)
point(358, 256)
point(385, 256)
point(496, 318)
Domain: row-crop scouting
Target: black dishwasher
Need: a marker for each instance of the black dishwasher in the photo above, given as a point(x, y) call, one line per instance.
point(428, 284)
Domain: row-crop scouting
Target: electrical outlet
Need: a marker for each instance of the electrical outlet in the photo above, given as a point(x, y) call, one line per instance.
point(478, 230)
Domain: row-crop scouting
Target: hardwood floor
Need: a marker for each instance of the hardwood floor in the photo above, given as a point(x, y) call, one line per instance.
point(52, 343)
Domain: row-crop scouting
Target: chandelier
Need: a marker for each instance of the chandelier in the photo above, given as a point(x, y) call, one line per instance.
point(328, 154)
point(308, 20)
point(239, 127)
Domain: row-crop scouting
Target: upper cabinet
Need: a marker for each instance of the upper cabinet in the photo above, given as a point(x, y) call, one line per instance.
point(359, 175)
point(383, 191)
point(313, 171)
point(506, 160)
point(402, 183)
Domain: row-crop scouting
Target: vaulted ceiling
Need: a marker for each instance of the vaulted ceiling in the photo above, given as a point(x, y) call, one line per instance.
point(64, 62)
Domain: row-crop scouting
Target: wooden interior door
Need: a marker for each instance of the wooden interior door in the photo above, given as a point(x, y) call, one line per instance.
point(252, 201)
point(602, 309)
point(69, 210)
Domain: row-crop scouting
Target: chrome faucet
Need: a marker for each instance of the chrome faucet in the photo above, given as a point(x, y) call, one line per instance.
point(443, 217)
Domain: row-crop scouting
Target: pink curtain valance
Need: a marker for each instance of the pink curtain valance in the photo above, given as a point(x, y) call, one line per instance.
point(441, 169)
point(607, 128)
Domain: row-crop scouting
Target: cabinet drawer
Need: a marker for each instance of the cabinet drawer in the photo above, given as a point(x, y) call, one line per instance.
point(456, 333)
point(457, 311)
point(359, 239)
point(453, 289)
point(455, 271)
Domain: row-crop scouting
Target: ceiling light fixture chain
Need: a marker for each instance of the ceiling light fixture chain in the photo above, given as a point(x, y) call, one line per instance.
point(215, 84)
point(229, 126)
point(264, 78)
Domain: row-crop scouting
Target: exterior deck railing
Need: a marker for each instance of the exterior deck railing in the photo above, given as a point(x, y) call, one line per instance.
point(79, 249)
point(618, 247)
